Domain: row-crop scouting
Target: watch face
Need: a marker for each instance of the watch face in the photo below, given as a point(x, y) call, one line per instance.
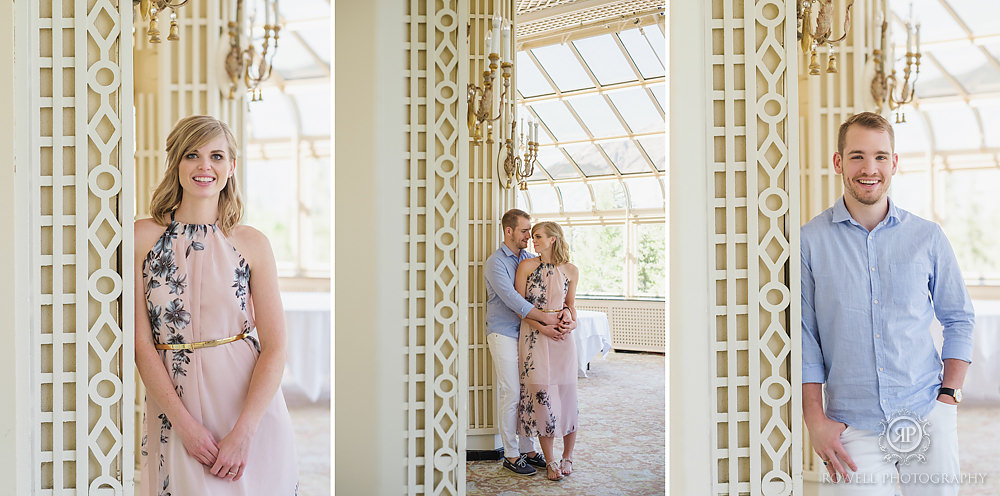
point(958, 395)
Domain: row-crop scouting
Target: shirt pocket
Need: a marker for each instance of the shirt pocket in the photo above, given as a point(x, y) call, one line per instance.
point(909, 284)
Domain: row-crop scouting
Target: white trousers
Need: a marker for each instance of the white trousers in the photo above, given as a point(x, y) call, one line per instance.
point(508, 388)
point(939, 475)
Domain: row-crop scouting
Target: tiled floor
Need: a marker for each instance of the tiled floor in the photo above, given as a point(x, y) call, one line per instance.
point(620, 442)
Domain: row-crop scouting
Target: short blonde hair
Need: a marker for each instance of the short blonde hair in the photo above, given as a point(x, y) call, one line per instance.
point(187, 135)
point(560, 248)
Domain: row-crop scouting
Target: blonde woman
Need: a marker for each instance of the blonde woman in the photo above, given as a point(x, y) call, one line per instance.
point(210, 345)
point(547, 355)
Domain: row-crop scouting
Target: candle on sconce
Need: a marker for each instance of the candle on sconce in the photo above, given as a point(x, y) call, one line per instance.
point(495, 48)
point(917, 36)
point(909, 37)
point(535, 131)
point(489, 40)
point(504, 41)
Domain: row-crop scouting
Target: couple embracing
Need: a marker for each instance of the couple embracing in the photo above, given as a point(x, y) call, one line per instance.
point(529, 316)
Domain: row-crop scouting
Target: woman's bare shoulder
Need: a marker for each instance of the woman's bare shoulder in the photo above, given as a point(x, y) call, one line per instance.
point(249, 241)
point(146, 232)
point(570, 270)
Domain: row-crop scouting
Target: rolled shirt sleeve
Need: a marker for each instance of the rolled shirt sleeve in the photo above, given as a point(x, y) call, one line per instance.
point(952, 305)
point(813, 370)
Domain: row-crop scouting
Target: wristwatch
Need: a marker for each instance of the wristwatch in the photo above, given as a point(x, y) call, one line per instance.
point(954, 393)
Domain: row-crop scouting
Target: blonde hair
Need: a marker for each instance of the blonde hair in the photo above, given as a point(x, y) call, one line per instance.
point(560, 248)
point(187, 135)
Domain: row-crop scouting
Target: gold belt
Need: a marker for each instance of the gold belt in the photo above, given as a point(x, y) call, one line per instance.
point(202, 344)
point(552, 311)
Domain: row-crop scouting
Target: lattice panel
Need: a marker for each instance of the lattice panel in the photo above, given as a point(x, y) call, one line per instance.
point(609, 12)
point(486, 202)
point(635, 325)
point(752, 180)
point(80, 245)
point(435, 334)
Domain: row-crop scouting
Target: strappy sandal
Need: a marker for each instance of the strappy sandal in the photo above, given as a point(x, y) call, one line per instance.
point(553, 465)
point(563, 468)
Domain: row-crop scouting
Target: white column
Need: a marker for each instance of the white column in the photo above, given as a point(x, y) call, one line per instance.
point(368, 261)
point(689, 384)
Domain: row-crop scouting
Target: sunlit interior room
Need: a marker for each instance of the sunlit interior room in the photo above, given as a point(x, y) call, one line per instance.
point(94, 88)
point(766, 86)
point(557, 108)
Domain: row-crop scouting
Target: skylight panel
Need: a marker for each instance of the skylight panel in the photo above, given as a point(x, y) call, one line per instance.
point(559, 120)
point(649, 64)
point(562, 66)
point(530, 81)
point(637, 109)
point(589, 159)
point(626, 156)
point(608, 195)
point(605, 59)
point(954, 126)
point(655, 147)
point(556, 164)
point(596, 115)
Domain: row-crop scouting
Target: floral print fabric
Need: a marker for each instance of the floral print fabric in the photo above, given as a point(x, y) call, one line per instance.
point(197, 289)
point(548, 404)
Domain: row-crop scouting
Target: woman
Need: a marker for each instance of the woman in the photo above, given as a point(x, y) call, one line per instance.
point(211, 346)
point(547, 407)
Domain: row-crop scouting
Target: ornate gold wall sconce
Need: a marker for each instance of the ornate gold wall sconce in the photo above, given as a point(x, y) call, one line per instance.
point(150, 11)
point(813, 36)
point(883, 87)
point(516, 168)
point(245, 62)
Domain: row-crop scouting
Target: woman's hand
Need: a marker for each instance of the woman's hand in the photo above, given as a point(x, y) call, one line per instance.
point(233, 451)
point(199, 443)
point(552, 331)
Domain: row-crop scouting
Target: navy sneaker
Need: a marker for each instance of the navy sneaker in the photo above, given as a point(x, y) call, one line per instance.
point(538, 460)
point(519, 467)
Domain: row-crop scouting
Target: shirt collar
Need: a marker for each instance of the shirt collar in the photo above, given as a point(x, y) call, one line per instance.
point(506, 250)
point(840, 213)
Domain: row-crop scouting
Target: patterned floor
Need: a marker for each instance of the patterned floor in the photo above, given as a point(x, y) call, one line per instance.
point(312, 443)
point(624, 395)
point(979, 447)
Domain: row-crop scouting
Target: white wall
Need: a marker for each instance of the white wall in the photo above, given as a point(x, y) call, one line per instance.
point(368, 241)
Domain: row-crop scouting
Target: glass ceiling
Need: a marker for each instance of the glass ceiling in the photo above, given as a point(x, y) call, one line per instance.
point(958, 90)
point(601, 106)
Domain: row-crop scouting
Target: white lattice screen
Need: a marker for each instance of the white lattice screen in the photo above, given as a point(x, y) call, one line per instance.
point(753, 182)
point(81, 197)
point(436, 289)
point(635, 325)
point(486, 202)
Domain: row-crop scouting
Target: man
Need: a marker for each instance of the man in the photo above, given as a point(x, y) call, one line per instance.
point(504, 310)
point(873, 278)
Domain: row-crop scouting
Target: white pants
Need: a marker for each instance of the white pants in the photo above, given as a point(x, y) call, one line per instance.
point(508, 388)
point(876, 477)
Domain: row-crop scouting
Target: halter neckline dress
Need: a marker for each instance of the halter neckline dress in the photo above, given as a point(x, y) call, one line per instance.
point(197, 289)
point(548, 402)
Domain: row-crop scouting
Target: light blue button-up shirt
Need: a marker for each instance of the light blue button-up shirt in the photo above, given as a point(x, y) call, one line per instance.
point(504, 305)
point(868, 299)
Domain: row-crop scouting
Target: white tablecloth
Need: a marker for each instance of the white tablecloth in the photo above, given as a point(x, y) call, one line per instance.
point(982, 382)
point(592, 336)
point(307, 358)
